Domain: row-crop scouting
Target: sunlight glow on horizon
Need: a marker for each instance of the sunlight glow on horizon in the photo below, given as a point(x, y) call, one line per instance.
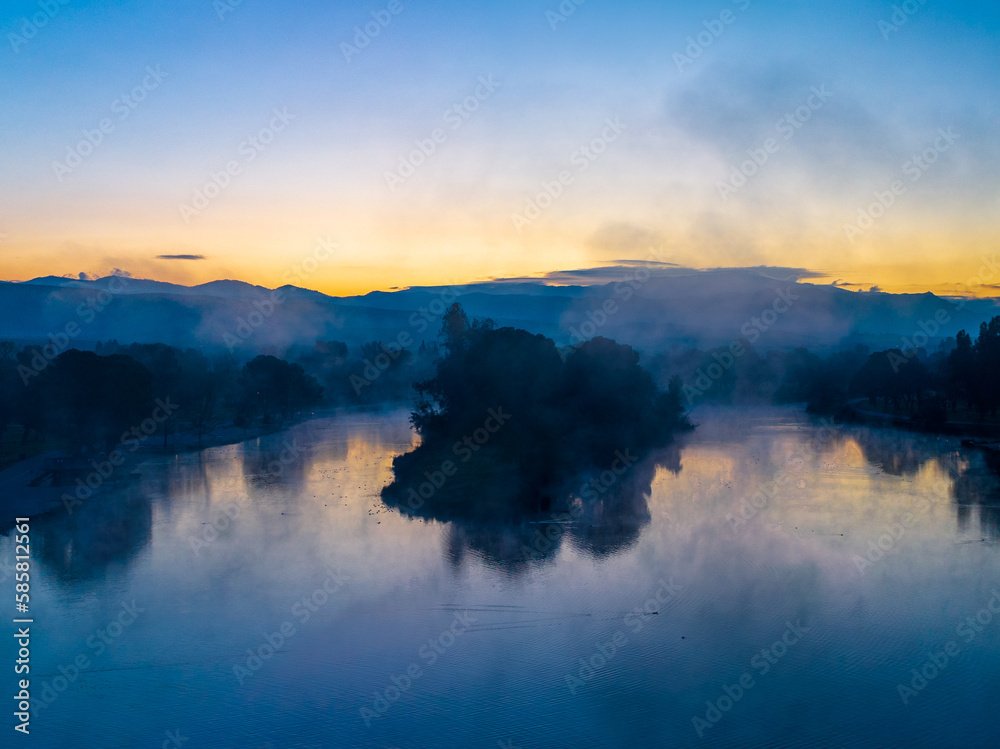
point(498, 159)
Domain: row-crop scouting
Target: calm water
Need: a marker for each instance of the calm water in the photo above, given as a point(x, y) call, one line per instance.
point(442, 635)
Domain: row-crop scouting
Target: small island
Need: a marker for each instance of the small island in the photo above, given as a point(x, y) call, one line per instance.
point(512, 425)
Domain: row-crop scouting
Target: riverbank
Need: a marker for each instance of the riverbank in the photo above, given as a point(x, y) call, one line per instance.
point(965, 429)
point(38, 485)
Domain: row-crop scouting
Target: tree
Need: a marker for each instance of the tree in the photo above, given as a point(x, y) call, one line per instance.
point(564, 416)
point(85, 398)
point(200, 391)
point(874, 379)
point(973, 368)
point(274, 389)
point(9, 385)
point(163, 363)
point(988, 370)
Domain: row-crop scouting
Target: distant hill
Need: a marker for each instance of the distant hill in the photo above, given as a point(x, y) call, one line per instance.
point(650, 308)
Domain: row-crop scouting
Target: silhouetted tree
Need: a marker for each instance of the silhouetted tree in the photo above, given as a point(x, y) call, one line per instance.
point(988, 366)
point(163, 363)
point(9, 384)
point(563, 416)
point(85, 398)
point(199, 391)
point(274, 389)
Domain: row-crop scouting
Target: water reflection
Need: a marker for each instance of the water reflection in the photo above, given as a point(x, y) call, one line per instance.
point(976, 488)
point(974, 473)
point(600, 513)
point(897, 453)
point(279, 463)
point(599, 528)
point(544, 593)
point(105, 532)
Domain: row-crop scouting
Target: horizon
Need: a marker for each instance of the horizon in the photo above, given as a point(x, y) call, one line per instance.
point(586, 277)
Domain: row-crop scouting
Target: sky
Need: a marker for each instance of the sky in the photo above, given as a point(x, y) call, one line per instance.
point(347, 147)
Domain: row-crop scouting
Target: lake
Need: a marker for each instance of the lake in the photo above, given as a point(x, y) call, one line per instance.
point(770, 582)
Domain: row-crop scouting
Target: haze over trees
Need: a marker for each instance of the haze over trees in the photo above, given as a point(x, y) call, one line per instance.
point(87, 400)
point(80, 398)
point(272, 390)
point(575, 406)
point(531, 417)
point(960, 380)
point(370, 374)
point(952, 379)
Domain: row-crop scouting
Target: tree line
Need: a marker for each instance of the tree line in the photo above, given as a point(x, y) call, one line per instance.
point(85, 398)
point(94, 399)
point(957, 379)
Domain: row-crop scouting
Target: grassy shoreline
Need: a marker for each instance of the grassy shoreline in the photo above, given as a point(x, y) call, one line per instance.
point(23, 492)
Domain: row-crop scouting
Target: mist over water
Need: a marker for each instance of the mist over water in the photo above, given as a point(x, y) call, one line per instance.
point(280, 603)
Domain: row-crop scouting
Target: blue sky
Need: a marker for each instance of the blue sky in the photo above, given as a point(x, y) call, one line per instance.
point(657, 185)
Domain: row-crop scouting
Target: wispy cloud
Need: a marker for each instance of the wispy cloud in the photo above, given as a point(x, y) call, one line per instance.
point(180, 257)
point(626, 268)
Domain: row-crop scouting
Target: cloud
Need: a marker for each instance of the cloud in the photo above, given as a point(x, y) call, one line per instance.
point(841, 145)
point(777, 272)
point(626, 270)
point(589, 276)
point(180, 257)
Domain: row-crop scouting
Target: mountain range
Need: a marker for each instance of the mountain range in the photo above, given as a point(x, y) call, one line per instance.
point(650, 306)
